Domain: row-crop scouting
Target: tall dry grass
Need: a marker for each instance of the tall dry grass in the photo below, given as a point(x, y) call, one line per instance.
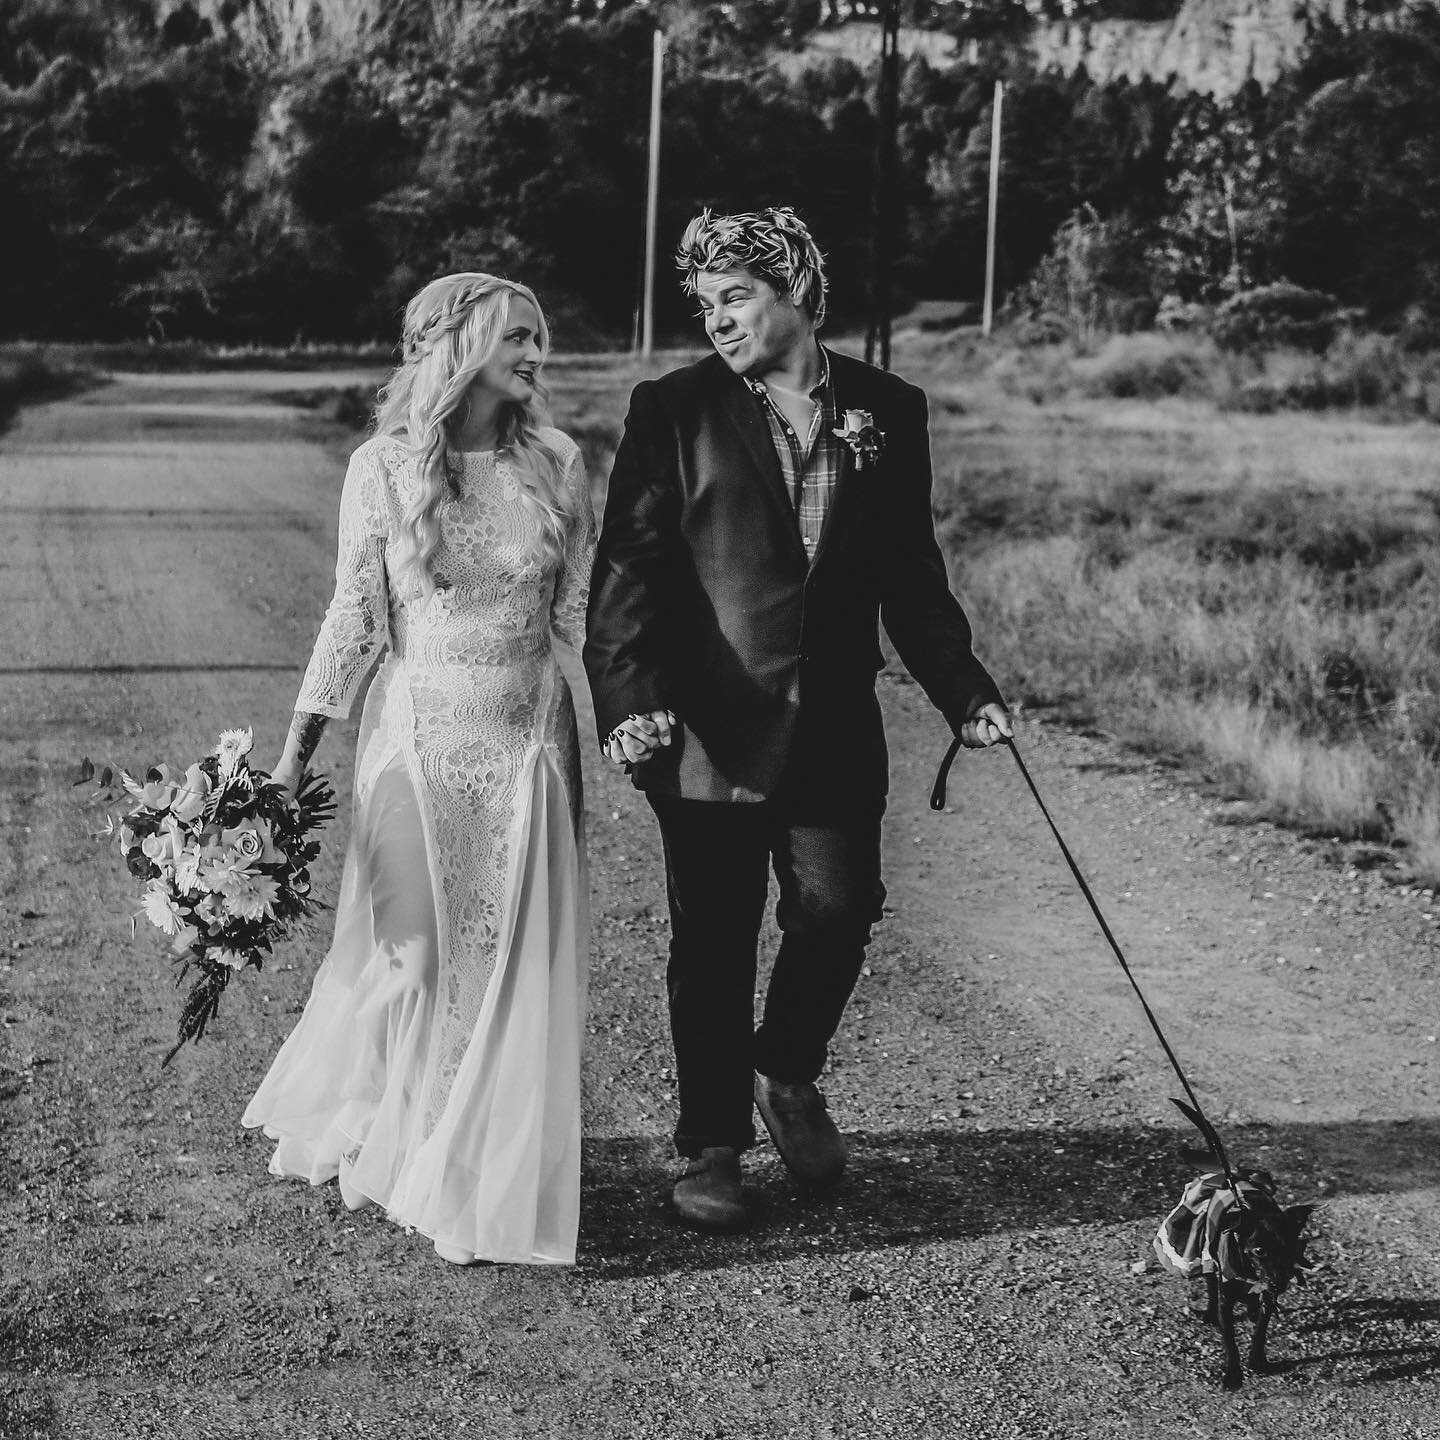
point(1367, 372)
point(1261, 592)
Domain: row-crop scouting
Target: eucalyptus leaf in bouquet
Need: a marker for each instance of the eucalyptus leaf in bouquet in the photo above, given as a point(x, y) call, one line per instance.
point(224, 854)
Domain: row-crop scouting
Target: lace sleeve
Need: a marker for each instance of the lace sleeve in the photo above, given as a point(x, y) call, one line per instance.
point(572, 582)
point(355, 624)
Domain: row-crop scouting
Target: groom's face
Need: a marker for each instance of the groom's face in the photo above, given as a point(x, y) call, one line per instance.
point(752, 325)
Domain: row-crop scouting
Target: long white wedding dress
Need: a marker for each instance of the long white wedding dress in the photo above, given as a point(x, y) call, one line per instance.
point(436, 1067)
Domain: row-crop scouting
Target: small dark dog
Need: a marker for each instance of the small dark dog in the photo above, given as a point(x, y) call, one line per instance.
point(1248, 1249)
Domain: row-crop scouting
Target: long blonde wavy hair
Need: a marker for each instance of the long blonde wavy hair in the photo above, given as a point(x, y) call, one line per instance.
point(452, 327)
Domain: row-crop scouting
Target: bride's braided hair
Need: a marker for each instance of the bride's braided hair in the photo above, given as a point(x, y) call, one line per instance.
point(451, 329)
point(424, 331)
point(773, 244)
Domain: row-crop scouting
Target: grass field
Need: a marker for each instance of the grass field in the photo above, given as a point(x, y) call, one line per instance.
point(1258, 592)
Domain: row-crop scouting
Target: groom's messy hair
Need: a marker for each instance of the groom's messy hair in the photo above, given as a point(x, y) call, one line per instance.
point(772, 244)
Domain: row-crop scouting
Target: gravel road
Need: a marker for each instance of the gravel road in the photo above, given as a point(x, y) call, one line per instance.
point(165, 556)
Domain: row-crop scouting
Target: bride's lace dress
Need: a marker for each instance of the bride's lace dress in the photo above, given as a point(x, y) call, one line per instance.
point(435, 1069)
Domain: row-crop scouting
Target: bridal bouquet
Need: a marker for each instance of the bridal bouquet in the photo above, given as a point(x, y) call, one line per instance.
point(224, 856)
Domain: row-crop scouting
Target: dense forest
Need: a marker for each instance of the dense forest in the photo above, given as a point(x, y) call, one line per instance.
point(281, 170)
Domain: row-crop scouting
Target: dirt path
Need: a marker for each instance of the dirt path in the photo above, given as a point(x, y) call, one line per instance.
point(164, 559)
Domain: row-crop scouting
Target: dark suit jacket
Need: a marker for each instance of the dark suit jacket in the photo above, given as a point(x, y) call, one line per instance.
point(703, 602)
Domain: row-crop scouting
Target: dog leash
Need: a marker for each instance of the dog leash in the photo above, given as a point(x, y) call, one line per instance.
point(1193, 1112)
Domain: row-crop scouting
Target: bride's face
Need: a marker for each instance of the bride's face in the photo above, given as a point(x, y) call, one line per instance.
point(511, 371)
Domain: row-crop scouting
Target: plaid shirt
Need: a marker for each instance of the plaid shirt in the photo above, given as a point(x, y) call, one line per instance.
point(812, 466)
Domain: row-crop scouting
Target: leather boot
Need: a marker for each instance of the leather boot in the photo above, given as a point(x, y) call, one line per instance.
point(801, 1127)
point(707, 1194)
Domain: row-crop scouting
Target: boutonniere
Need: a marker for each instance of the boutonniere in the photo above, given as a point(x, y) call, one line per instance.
point(861, 434)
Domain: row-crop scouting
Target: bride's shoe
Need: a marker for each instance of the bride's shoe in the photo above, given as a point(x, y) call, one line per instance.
point(454, 1255)
point(353, 1199)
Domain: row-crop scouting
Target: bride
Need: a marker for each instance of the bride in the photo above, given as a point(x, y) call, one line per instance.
point(435, 1069)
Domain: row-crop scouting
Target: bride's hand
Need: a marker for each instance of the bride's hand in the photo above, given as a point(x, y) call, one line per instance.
point(305, 732)
point(634, 740)
point(287, 777)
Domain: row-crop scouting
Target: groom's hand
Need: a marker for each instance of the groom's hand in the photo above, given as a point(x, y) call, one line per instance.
point(989, 727)
point(634, 740)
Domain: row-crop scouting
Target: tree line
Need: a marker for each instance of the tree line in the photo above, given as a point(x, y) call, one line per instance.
point(215, 169)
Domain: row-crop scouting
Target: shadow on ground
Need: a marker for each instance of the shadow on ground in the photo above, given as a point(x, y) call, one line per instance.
point(914, 1187)
point(1391, 1339)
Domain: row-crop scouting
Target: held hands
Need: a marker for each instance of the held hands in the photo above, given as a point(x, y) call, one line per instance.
point(993, 724)
point(634, 740)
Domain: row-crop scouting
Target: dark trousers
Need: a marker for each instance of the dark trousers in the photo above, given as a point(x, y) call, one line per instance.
point(717, 862)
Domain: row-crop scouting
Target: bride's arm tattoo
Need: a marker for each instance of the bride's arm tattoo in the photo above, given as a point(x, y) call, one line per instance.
point(307, 730)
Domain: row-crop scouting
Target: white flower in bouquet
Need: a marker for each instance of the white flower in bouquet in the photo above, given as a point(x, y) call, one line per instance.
point(188, 801)
point(224, 873)
point(186, 939)
point(252, 843)
point(161, 910)
point(167, 845)
point(254, 898)
point(187, 871)
point(157, 789)
point(233, 747)
point(212, 914)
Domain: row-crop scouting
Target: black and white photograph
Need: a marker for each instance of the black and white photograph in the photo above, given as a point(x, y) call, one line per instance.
point(719, 721)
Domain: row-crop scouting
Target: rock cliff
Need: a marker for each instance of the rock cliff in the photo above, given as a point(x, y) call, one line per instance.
point(1210, 46)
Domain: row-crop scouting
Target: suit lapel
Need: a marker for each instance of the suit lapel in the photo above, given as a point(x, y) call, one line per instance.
point(743, 410)
point(842, 377)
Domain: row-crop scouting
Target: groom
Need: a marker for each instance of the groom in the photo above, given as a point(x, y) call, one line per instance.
point(768, 508)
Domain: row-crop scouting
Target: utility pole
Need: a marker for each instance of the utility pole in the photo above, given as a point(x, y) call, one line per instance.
point(652, 197)
point(994, 203)
point(887, 109)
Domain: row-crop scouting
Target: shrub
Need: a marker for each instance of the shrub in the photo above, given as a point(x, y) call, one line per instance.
point(1279, 314)
point(1094, 278)
point(1148, 367)
point(1422, 386)
point(1321, 531)
point(1362, 371)
point(28, 375)
point(1419, 330)
point(1367, 370)
point(1287, 380)
point(1043, 328)
point(1183, 316)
